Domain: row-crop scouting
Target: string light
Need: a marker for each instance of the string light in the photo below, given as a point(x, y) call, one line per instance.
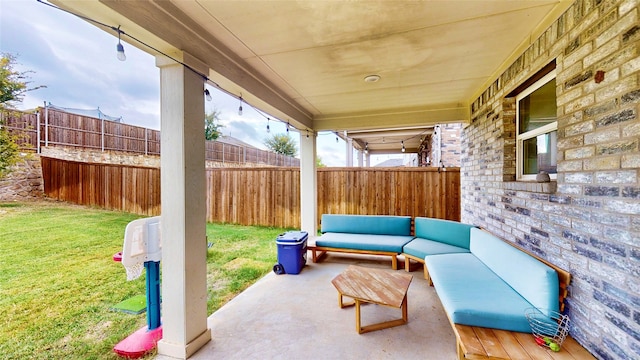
point(287, 127)
point(366, 148)
point(307, 133)
point(207, 94)
point(403, 149)
point(336, 138)
point(120, 48)
point(122, 57)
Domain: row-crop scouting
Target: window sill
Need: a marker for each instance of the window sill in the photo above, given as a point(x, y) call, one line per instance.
point(531, 186)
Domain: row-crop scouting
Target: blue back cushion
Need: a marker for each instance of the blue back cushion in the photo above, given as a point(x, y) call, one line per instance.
point(444, 231)
point(367, 224)
point(531, 278)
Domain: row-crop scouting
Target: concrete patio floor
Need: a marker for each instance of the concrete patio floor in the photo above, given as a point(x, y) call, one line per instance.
point(298, 317)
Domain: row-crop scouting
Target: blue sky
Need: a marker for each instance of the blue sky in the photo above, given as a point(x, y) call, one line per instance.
point(77, 63)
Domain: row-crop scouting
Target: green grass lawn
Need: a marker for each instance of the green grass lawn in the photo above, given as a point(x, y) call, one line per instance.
point(58, 280)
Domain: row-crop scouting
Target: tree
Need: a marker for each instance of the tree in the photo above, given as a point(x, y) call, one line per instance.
point(282, 144)
point(319, 162)
point(8, 151)
point(212, 125)
point(13, 85)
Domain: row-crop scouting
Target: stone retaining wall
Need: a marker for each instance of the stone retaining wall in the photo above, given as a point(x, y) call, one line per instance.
point(24, 182)
point(121, 158)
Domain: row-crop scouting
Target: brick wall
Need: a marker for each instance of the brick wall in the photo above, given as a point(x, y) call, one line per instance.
point(450, 146)
point(587, 222)
point(444, 144)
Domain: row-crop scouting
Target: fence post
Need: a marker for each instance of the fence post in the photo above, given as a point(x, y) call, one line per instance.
point(38, 132)
point(223, 153)
point(146, 141)
point(102, 134)
point(46, 125)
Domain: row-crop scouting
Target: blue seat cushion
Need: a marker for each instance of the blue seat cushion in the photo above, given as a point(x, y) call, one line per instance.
point(444, 231)
point(389, 243)
point(534, 280)
point(367, 224)
point(472, 294)
point(422, 247)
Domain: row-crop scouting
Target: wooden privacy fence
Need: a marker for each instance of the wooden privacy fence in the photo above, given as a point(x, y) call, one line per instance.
point(263, 196)
point(52, 127)
point(109, 186)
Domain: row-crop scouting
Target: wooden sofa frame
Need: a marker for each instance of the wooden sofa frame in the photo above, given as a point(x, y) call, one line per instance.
point(318, 252)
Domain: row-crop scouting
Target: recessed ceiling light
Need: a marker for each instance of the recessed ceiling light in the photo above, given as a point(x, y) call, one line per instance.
point(371, 78)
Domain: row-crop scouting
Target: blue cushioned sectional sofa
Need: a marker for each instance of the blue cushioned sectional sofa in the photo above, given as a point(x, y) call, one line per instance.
point(480, 279)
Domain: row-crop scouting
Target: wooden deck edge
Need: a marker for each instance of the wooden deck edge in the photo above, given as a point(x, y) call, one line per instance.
point(475, 342)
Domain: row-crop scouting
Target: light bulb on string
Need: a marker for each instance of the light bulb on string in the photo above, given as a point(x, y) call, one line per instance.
point(307, 133)
point(403, 149)
point(120, 48)
point(240, 107)
point(366, 148)
point(287, 127)
point(207, 94)
point(268, 128)
point(336, 138)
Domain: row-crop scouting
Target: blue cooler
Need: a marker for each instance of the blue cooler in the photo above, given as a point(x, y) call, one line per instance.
point(292, 252)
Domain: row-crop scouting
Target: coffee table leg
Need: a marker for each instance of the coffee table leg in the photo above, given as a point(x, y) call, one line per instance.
point(405, 311)
point(342, 303)
point(382, 325)
point(358, 328)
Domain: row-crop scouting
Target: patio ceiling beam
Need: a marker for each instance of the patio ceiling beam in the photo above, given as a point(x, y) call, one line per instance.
point(232, 73)
point(420, 117)
point(373, 134)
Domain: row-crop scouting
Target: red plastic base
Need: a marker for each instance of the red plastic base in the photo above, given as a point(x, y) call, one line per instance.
point(138, 343)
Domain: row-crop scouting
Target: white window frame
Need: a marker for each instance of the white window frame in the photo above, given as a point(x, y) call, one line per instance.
point(520, 138)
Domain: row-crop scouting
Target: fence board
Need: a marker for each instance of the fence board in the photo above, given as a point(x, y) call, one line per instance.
point(263, 196)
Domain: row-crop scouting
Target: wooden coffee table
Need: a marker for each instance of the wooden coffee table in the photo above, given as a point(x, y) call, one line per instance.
point(367, 285)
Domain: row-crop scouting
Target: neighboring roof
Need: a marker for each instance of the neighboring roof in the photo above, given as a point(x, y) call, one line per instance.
point(391, 163)
point(233, 141)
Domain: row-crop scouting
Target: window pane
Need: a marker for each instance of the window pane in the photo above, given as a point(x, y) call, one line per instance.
point(540, 154)
point(538, 108)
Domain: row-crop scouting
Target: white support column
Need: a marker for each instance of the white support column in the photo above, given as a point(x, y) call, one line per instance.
point(183, 221)
point(368, 160)
point(360, 152)
point(308, 185)
point(349, 150)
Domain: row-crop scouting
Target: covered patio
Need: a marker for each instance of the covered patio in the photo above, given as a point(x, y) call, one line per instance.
point(384, 70)
point(298, 317)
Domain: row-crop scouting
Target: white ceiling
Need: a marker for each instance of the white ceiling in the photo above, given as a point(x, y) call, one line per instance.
point(305, 61)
